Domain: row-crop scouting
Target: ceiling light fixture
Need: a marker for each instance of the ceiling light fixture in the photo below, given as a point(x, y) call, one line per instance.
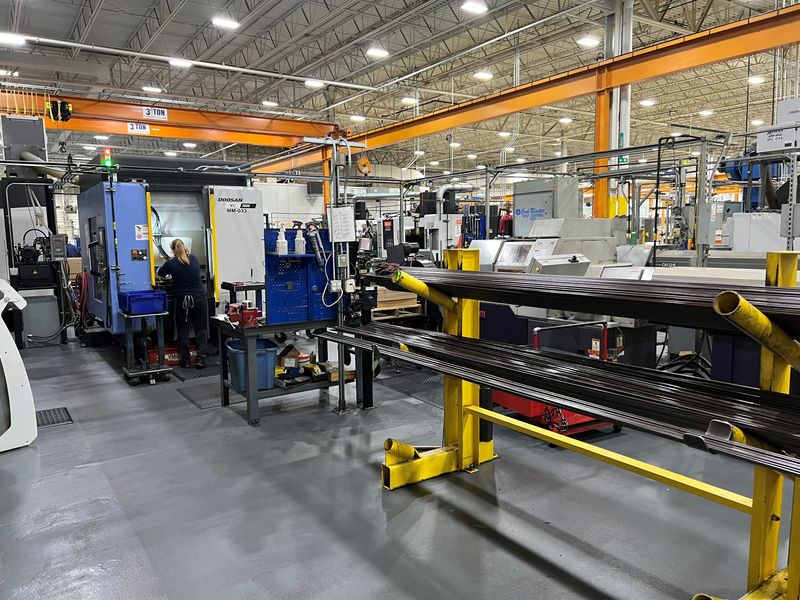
point(565, 120)
point(755, 80)
point(557, 153)
point(676, 134)
point(90, 148)
point(152, 89)
point(377, 52)
point(446, 172)
point(314, 84)
point(101, 138)
point(511, 149)
point(504, 134)
point(455, 144)
point(472, 156)
point(408, 101)
point(189, 145)
point(706, 113)
point(180, 63)
point(11, 39)
point(642, 160)
point(647, 102)
point(7, 73)
point(483, 75)
point(419, 152)
point(170, 153)
point(588, 41)
point(756, 122)
point(358, 118)
point(224, 23)
point(269, 103)
point(434, 163)
point(476, 7)
point(520, 160)
point(480, 166)
point(695, 153)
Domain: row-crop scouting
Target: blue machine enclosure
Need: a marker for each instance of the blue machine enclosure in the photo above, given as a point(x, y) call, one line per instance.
point(97, 216)
point(295, 284)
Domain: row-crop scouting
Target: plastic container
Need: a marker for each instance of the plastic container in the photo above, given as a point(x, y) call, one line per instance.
point(143, 302)
point(266, 353)
point(282, 245)
point(300, 243)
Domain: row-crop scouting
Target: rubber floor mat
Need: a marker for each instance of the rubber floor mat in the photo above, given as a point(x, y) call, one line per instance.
point(50, 417)
point(422, 384)
point(207, 395)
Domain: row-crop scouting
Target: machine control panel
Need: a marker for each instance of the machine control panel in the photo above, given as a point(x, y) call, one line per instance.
point(58, 246)
point(138, 254)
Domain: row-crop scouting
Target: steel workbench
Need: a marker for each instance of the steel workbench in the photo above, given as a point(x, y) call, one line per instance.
point(249, 335)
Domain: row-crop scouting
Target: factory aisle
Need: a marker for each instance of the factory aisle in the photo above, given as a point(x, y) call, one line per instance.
point(147, 497)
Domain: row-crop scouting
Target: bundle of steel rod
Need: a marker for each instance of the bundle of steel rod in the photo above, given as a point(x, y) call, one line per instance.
point(672, 406)
point(671, 303)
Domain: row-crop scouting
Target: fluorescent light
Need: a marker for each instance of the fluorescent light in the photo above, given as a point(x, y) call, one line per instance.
point(520, 160)
point(706, 113)
point(483, 75)
point(152, 89)
point(434, 163)
point(419, 152)
point(455, 144)
point(647, 102)
point(472, 156)
point(557, 153)
point(480, 166)
point(756, 122)
point(503, 134)
point(588, 41)
point(377, 52)
point(358, 118)
point(565, 120)
point(755, 80)
point(269, 103)
point(695, 153)
point(446, 172)
point(181, 63)
point(676, 134)
point(224, 23)
point(7, 73)
point(314, 84)
point(170, 153)
point(477, 7)
point(511, 149)
point(189, 145)
point(101, 138)
point(12, 39)
point(408, 100)
point(90, 148)
point(642, 160)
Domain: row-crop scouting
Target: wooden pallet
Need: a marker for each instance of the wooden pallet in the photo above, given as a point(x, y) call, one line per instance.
point(383, 313)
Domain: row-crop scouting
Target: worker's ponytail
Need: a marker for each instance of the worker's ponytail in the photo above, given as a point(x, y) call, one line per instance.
point(179, 251)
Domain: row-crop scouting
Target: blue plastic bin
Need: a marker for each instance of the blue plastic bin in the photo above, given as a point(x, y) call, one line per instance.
point(266, 353)
point(143, 302)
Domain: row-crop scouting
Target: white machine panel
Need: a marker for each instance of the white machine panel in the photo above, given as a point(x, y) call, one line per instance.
point(287, 202)
point(239, 234)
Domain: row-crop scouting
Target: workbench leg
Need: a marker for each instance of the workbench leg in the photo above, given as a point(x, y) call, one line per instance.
point(364, 373)
point(251, 373)
point(224, 392)
point(129, 351)
point(160, 340)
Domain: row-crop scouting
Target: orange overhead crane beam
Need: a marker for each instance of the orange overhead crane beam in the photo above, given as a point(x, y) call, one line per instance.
point(741, 38)
point(104, 116)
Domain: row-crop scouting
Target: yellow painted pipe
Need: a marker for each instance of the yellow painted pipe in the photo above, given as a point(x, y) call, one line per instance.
point(757, 325)
point(420, 288)
point(400, 449)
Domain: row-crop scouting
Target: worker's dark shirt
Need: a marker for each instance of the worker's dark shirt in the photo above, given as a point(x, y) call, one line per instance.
point(185, 278)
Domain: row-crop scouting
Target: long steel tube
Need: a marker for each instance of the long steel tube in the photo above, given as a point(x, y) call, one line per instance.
point(672, 303)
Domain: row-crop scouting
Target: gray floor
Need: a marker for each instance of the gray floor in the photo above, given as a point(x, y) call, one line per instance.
point(146, 496)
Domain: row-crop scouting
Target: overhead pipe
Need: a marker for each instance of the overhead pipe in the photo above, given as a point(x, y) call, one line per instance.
point(758, 326)
point(43, 169)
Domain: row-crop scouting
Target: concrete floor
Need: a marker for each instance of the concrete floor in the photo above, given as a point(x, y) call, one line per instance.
point(147, 497)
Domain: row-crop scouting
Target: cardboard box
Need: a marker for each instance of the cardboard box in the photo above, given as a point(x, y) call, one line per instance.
point(74, 267)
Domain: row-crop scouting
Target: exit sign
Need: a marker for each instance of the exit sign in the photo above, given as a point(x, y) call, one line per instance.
point(154, 113)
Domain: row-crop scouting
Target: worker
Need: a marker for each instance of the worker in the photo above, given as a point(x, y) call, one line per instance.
point(191, 307)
